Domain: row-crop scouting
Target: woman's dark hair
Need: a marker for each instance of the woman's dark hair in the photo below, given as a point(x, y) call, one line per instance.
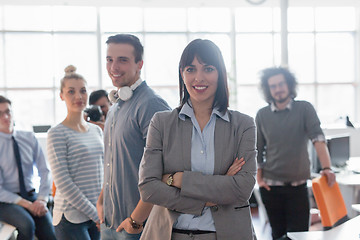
point(208, 53)
point(270, 72)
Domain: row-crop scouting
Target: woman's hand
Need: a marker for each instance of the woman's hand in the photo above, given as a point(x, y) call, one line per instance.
point(100, 207)
point(177, 179)
point(235, 167)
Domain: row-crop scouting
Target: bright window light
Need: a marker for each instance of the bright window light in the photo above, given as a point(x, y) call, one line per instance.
point(335, 57)
point(27, 18)
point(301, 56)
point(165, 19)
point(209, 20)
point(121, 19)
point(300, 19)
point(73, 18)
point(335, 19)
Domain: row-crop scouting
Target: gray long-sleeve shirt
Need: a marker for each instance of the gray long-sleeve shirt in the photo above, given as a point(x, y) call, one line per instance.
point(282, 139)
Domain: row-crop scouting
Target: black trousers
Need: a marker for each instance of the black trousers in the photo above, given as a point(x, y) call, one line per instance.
point(288, 209)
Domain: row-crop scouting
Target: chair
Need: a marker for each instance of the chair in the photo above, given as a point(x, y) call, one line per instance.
point(6, 231)
point(330, 203)
point(50, 204)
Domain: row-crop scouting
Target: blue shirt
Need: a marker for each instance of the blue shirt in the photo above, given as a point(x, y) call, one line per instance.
point(31, 154)
point(125, 134)
point(202, 160)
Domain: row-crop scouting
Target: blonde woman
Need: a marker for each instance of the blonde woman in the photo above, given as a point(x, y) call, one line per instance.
point(75, 151)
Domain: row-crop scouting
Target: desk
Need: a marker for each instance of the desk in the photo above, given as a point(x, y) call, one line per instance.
point(350, 187)
point(356, 207)
point(347, 230)
point(6, 230)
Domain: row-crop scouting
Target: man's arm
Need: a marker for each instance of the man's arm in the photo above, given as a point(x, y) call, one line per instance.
point(139, 215)
point(142, 210)
point(13, 198)
point(43, 170)
point(324, 158)
point(39, 206)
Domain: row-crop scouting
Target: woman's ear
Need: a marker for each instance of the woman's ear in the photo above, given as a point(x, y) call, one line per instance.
point(61, 96)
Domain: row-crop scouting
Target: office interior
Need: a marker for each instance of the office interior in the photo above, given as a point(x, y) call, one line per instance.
point(317, 39)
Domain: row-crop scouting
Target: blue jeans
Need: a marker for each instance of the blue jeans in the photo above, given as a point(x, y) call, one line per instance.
point(66, 230)
point(27, 224)
point(111, 234)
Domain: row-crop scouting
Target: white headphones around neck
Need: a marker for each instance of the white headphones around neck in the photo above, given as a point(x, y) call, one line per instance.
point(123, 93)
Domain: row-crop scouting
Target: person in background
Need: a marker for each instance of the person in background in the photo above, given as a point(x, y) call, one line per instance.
point(75, 152)
point(134, 104)
point(100, 98)
point(284, 129)
point(98, 109)
point(199, 163)
point(20, 205)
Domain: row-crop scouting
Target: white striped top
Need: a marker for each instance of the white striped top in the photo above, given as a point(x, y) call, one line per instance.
point(76, 161)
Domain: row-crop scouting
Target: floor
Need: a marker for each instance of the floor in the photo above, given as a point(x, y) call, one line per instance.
point(264, 233)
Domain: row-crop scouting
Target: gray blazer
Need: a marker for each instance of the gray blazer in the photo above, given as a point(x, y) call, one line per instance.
point(168, 150)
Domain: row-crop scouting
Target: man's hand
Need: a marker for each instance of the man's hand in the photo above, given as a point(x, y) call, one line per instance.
point(39, 208)
point(330, 176)
point(260, 180)
point(126, 225)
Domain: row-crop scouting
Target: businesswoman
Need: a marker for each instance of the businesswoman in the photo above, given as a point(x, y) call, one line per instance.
point(75, 152)
point(189, 151)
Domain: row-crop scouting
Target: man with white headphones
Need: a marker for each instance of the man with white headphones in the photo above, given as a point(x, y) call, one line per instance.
point(134, 104)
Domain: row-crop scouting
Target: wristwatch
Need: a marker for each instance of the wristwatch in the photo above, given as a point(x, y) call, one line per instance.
point(134, 224)
point(170, 179)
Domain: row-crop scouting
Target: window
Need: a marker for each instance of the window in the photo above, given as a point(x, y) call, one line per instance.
point(28, 60)
point(322, 55)
point(322, 51)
